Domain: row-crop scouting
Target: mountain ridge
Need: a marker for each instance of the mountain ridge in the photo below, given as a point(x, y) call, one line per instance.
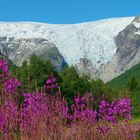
point(91, 42)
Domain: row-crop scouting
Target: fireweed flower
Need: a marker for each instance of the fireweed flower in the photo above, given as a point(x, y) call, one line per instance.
point(4, 68)
point(11, 85)
point(8, 116)
point(34, 107)
point(87, 114)
point(39, 111)
point(124, 108)
point(115, 110)
point(82, 110)
point(34, 100)
point(51, 84)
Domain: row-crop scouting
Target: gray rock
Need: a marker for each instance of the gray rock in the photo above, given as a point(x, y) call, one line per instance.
point(19, 50)
point(127, 54)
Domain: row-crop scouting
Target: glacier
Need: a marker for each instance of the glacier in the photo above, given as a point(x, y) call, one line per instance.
point(91, 40)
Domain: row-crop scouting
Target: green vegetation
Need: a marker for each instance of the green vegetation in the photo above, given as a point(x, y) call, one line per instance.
point(37, 71)
point(130, 82)
point(122, 80)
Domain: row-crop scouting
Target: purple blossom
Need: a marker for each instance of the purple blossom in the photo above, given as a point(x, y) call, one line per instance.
point(115, 110)
point(44, 113)
point(51, 84)
point(4, 67)
point(11, 85)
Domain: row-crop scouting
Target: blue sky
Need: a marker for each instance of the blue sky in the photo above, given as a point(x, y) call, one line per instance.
point(66, 11)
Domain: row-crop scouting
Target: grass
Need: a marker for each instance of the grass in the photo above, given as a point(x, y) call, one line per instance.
point(136, 119)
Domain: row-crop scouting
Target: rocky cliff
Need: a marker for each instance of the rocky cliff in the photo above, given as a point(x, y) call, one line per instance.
point(19, 50)
point(127, 52)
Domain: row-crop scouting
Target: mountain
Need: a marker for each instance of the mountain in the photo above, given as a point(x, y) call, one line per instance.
point(128, 49)
point(102, 49)
point(21, 49)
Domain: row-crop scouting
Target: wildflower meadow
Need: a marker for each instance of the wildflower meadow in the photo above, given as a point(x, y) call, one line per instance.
point(46, 115)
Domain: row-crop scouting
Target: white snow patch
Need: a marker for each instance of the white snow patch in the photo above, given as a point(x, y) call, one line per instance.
point(137, 33)
point(137, 25)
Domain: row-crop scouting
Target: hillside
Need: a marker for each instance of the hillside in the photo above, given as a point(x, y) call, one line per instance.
point(122, 80)
point(92, 47)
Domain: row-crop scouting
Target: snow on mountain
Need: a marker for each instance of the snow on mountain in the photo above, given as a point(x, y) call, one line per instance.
point(92, 40)
point(137, 25)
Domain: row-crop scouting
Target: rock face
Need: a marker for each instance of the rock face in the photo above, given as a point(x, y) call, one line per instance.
point(127, 53)
point(102, 49)
point(85, 67)
point(19, 50)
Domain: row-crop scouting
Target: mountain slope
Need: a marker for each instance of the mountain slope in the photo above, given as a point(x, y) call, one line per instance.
point(95, 48)
point(93, 40)
point(128, 49)
point(122, 80)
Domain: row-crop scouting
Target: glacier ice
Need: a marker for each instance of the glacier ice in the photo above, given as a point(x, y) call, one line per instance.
point(93, 40)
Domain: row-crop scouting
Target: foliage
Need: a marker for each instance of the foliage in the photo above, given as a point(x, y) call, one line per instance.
point(35, 73)
point(46, 114)
point(130, 82)
point(71, 85)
